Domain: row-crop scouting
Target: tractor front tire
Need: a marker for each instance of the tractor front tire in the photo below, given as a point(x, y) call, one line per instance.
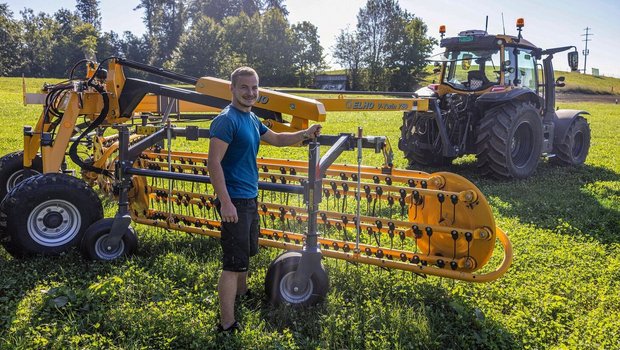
point(12, 170)
point(509, 141)
point(279, 279)
point(573, 150)
point(47, 214)
point(94, 244)
point(419, 130)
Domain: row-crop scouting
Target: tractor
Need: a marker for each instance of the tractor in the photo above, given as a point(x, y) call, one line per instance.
point(495, 99)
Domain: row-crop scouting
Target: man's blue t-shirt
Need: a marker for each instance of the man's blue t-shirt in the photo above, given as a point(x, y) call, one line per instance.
point(241, 131)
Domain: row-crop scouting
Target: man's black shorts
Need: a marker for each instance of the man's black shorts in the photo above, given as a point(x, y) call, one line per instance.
point(240, 240)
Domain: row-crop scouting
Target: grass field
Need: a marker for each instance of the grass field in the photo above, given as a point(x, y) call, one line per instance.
point(560, 293)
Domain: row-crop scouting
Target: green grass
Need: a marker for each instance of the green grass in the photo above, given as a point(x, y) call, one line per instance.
point(561, 291)
point(586, 83)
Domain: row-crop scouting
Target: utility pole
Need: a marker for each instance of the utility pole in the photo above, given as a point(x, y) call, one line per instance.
point(586, 52)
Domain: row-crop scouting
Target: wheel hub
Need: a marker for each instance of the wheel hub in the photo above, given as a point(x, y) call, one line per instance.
point(52, 220)
point(291, 292)
point(106, 250)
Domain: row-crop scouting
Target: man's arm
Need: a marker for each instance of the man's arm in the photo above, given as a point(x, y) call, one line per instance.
point(290, 138)
point(217, 149)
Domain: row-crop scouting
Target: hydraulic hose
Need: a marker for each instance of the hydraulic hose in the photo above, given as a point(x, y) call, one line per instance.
point(73, 149)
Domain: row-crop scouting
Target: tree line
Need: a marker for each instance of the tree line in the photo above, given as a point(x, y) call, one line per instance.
point(385, 51)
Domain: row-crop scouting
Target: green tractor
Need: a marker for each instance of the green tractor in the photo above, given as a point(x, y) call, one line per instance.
point(495, 99)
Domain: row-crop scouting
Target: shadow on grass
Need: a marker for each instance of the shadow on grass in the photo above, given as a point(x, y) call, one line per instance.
point(372, 308)
point(570, 200)
point(127, 303)
point(38, 288)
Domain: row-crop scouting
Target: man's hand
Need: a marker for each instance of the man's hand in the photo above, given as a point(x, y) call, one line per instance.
point(229, 212)
point(314, 131)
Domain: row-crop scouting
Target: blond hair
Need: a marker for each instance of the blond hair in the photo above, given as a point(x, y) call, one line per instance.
point(241, 71)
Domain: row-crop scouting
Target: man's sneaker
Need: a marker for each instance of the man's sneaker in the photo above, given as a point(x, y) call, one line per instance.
point(235, 327)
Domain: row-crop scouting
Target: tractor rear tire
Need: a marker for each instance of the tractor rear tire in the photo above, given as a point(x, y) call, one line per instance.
point(47, 214)
point(573, 150)
point(509, 141)
point(421, 129)
point(94, 247)
point(12, 170)
point(280, 275)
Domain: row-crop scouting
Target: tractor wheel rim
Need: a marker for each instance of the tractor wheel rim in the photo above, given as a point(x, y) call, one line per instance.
point(106, 251)
point(54, 223)
point(521, 145)
point(288, 292)
point(578, 141)
point(16, 178)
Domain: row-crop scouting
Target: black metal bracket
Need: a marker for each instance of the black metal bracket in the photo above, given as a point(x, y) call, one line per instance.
point(447, 149)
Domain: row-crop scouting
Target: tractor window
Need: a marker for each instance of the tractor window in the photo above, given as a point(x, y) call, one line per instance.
point(527, 69)
point(472, 70)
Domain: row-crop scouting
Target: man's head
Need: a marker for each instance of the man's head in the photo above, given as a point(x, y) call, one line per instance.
point(244, 87)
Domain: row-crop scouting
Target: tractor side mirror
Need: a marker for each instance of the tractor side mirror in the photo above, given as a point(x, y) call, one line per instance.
point(573, 60)
point(560, 82)
point(437, 68)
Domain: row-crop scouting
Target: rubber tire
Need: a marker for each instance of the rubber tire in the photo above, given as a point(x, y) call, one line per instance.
point(92, 240)
point(517, 123)
point(42, 190)
point(414, 154)
point(11, 165)
point(282, 268)
point(573, 150)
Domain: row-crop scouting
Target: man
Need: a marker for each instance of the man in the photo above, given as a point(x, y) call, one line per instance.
point(235, 137)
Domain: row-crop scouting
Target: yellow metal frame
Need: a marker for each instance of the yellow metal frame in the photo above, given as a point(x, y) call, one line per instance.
point(470, 209)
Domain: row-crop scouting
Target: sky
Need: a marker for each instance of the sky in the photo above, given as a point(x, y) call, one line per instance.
point(550, 23)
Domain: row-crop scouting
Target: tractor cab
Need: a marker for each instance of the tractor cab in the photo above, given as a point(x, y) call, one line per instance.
point(477, 62)
point(472, 70)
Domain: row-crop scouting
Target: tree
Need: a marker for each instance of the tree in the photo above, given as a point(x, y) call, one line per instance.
point(165, 22)
point(251, 7)
point(200, 49)
point(277, 5)
point(134, 48)
point(391, 55)
point(109, 44)
point(88, 10)
point(408, 46)
point(73, 40)
point(307, 51)
point(10, 42)
point(238, 50)
point(349, 53)
point(220, 9)
point(275, 59)
point(374, 23)
point(37, 50)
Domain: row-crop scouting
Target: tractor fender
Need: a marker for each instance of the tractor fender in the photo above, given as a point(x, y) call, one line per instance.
point(491, 99)
point(562, 121)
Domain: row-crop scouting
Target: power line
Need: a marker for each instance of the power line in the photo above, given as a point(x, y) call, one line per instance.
point(586, 52)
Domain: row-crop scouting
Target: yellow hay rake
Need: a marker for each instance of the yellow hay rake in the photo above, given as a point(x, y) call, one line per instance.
point(431, 224)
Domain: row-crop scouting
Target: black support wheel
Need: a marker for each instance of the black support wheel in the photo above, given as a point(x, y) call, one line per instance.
point(47, 214)
point(420, 141)
point(12, 170)
point(279, 282)
point(509, 141)
point(574, 148)
point(96, 243)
